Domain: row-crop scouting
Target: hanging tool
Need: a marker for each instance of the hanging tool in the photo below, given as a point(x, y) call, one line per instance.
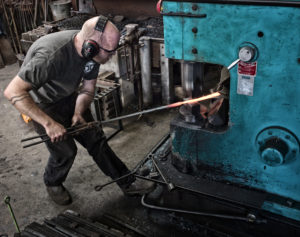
point(8, 25)
point(15, 28)
point(46, 10)
point(77, 129)
point(36, 2)
point(7, 202)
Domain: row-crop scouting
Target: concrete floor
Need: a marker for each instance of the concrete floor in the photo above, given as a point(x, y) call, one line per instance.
point(21, 170)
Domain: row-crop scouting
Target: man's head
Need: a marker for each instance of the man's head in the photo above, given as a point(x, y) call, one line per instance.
point(91, 38)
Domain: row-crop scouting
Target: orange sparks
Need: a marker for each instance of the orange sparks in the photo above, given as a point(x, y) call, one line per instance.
point(206, 97)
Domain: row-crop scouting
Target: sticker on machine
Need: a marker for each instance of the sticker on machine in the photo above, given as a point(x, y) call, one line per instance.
point(247, 68)
point(246, 76)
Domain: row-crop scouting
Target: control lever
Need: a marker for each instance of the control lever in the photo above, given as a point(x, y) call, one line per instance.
point(233, 64)
point(246, 54)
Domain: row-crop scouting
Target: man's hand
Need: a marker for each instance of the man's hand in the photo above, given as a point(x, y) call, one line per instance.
point(55, 131)
point(77, 119)
point(212, 109)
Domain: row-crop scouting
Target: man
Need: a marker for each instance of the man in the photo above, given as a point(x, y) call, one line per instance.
point(46, 89)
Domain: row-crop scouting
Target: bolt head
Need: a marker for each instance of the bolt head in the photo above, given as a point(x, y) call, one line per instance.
point(195, 30)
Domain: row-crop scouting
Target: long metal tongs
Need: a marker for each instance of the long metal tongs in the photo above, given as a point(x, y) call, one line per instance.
point(77, 129)
point(71, 131)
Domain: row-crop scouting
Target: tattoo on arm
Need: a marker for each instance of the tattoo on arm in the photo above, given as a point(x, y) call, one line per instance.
point(13, 97)
point(17, 98)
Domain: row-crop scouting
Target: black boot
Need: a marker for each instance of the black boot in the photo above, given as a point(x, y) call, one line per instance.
point(59, 194)
point(138, 187)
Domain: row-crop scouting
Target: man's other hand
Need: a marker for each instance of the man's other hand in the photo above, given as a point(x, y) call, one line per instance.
point(77, 119)
point(55, 131)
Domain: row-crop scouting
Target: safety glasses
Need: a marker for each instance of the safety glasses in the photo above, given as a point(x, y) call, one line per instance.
point(107, 50)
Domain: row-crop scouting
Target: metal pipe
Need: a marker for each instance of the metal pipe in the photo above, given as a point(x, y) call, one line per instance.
point(35, 12)
point(210, 96)
point(187, 78)
point(145, 58)
point(100, 187)
point(249, 218)
point(167, 85)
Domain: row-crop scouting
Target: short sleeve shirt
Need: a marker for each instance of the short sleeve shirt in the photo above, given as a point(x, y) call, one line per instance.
point(54, 68)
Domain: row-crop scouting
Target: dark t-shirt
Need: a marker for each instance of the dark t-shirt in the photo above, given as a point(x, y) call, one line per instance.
point(54, 69)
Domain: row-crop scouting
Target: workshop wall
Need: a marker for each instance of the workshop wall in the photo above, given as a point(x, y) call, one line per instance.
point(129, 8)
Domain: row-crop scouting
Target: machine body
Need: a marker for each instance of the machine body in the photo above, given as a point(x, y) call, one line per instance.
point(259, 147)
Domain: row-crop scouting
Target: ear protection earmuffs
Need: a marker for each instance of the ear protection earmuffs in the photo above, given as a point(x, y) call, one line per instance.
point(90, 48)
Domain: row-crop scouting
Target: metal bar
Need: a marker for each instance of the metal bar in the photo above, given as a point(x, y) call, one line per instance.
point(7, 202)
point(218, 199)
point(126, 226)
point(35, 12)
point(211, 96)
point(131, 56)
point(35, 143)
point(70, 129)
point(167, 85)
point(46, 10)
point(74, 132)
point(139, 78)
point(126, 62)
point(99, 187)
point(64, 229)
point(34, 137)
point(145, 58)
point(16, 31)
point(87, 224)
point(249, 218)
point(42, 231)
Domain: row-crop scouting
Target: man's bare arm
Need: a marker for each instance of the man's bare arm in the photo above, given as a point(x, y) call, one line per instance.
point(84, 100)
point(17, 92)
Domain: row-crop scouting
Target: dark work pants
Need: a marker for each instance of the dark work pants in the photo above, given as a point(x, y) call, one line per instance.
point(62, 154)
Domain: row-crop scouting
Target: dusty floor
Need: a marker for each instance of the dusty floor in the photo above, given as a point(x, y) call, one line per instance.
point(21, 170)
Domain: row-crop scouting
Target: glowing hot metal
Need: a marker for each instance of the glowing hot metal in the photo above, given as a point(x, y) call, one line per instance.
point(206, 97)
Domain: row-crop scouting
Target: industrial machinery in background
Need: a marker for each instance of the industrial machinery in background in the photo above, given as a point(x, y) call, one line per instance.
point(247, 164)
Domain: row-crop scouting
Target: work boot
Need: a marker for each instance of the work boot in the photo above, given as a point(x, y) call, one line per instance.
point(138, 187)
point(59, 194)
